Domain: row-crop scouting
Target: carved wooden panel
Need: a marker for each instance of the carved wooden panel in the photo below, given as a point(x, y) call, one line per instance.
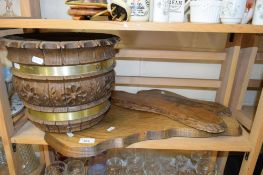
point(198, 114)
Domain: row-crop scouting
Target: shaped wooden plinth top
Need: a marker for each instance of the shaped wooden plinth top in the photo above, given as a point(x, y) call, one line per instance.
point(130, 127)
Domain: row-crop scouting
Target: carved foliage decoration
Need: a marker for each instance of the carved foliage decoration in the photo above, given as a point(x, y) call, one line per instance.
point(75, 95)
point(55, 97)
point(29, 94)
point(66, 92)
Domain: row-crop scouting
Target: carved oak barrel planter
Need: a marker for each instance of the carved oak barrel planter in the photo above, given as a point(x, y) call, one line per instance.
point(64, 79)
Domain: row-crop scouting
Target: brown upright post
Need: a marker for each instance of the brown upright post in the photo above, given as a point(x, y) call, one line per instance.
point(6, 126)
point(227, 76)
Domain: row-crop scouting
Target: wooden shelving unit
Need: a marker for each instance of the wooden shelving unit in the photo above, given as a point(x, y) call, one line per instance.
point(128, 26)
point(250, 111)
point(232, 60)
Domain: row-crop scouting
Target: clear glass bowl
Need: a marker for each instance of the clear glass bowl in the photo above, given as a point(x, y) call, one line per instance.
point(75, 167)
point(56, 168)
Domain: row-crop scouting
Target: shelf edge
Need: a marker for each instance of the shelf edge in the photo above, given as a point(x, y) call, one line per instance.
point(129, 26)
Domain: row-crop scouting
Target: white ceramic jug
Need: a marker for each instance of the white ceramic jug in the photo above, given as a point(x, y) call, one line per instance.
point(258, 15)
point(234, 12)
point(176, 10)
point(140, 9)
point(160, 10)
point(205, 11)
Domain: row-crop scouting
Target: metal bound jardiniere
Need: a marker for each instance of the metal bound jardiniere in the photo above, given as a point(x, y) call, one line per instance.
point(64, 79)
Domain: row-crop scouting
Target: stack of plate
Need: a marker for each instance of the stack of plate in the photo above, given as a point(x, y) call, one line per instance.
point(83, 9)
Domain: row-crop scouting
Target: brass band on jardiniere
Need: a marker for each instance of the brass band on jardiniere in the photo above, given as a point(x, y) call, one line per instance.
point(69, 116)
point(64, 70)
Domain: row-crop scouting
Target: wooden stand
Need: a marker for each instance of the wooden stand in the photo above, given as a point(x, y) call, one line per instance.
point(228, 86)
point(130, 127)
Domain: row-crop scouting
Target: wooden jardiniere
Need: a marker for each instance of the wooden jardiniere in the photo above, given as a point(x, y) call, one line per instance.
point(64, 79)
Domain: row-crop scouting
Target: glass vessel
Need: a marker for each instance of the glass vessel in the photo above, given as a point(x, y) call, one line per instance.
point(114, 166)
point(56, 168)
point(134, 165)
point(75, 167)
point(2, 155)
point(28, 158)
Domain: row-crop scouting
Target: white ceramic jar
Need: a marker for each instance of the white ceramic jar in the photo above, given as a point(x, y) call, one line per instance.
point(160, 10)
point(258, 14)
point(151, 10)
point(176, 10)
point(205, 11)
point(140, 9)
point(233, 11)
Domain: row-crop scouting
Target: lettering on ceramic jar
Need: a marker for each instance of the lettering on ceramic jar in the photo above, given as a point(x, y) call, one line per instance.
point(175, 5)
point(230, 9)
point(164, 6)
point(260, 9)
point(140, 7)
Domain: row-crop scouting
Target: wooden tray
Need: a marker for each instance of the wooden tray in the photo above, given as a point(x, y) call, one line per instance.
point(130, 127)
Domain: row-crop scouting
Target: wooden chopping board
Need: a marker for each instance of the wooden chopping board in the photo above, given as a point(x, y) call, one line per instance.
point(201, 115)
point(130, 127)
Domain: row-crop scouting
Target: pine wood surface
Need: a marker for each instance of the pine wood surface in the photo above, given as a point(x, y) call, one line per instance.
point(128, 26)
point(170, 55)
point(256, 139)
point(173, 41)
point(161, 82)
point(19, 120)
point(6, 127)
point(255, 84)
point(246, 116)
point(29, 134)
point(227, 73)
point(130, 127)
point(246, 61)
point(30, 8)
point(200, 115)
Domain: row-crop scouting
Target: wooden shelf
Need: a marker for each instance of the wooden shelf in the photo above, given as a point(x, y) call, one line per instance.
point(29, 134)
point(222, 143)
point(246, 116)
point(128, 26)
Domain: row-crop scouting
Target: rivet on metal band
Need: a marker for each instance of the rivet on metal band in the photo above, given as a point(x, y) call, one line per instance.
point(64, 70)
point(68, 116)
